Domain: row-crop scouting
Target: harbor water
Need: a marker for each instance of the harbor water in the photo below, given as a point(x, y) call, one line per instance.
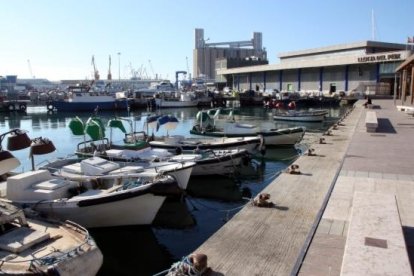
point(181, 225)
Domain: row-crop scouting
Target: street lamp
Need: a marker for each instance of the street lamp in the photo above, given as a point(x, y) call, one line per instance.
point(17, 140)
point(119, 66)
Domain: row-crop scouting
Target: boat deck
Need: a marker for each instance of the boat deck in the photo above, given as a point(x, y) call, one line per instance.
point(274, 241)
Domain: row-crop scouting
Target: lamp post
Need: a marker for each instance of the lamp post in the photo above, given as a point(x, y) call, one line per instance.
point(119, 66)
point(17, 140)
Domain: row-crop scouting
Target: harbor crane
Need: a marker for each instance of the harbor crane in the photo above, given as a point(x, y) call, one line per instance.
point(109, 69)
point(152, 69)
point(95, 71)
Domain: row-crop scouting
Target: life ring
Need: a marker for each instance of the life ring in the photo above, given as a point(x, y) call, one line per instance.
point(22, 107)
point(50, 107)
point(11, 107)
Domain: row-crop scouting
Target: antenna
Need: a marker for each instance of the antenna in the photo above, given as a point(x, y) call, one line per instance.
point(373, 25)
point(30, 68)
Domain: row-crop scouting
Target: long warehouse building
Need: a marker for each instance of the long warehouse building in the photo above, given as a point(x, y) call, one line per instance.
point(362, 66)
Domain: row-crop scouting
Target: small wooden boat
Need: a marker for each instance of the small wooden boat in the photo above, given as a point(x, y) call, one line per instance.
point(31, 245)
point(206, 126)
point(301, 116)
point(252, 144)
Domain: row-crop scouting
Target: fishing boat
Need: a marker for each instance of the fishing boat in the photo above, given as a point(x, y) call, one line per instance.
point(252, 144)
point(301, 116)
point(133, 151)
point(206, 126)
point(31, 245)
point(93, 192)
point(207, 161)
point(182, 99)
point(179, 163)
point(179, 142)
point(81, 98)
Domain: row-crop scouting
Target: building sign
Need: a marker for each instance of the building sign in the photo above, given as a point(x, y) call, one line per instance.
point(383, 57)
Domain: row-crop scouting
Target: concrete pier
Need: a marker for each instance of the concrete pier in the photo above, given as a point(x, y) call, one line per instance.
point(300, 236)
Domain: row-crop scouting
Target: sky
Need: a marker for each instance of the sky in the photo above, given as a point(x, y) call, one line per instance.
point(56, 39)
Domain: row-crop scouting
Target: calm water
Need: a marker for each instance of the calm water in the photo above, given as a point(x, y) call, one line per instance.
point(181, 226)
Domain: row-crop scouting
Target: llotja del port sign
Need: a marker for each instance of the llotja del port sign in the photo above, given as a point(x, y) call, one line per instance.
point(382, 57)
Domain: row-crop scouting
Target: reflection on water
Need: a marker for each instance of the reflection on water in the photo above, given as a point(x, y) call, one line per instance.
point(132, 250)
point(209, 204)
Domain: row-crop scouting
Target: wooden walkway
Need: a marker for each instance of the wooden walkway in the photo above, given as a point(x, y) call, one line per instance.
point(269, 241)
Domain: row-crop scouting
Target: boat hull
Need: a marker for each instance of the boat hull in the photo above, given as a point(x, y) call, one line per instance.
point(273, 138)
point(251, 144)
point(174, 104)
point(94, 211)
point(218, 163)
point(87, 106)
point(308, 118)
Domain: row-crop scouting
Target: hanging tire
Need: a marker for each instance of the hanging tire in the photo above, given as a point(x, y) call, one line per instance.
point(11, 107)
point(22, 107)
point(50, 107)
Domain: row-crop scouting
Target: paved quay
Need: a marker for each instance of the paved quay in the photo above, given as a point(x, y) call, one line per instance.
point(274, 241)
point(380, 162)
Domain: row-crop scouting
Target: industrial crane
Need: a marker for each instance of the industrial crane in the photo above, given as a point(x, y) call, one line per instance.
point(95, 71)
point(109, 69)
point(152, 69)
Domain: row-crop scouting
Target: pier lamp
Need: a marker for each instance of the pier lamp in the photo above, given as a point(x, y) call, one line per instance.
point(119, 66)
point(40, 146)
point(17, 140)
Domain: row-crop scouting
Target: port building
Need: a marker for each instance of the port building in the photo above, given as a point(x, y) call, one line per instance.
point(367, 67)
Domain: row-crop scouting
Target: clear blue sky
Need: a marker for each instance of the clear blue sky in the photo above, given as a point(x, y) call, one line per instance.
point(59, 37)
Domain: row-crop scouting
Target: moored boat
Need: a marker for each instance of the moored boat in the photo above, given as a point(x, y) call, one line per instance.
point(183, 99)
point(80, 98)
point(30, 245)
point(103, 197)
point(173, 142)
point(301, 116)
point(206, 126)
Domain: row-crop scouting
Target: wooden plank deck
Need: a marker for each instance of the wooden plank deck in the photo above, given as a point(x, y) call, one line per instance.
point(268, 241)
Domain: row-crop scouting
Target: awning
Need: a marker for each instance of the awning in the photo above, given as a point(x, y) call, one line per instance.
point(409, 60)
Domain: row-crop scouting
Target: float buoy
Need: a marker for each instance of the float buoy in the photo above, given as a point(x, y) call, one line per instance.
point(22, 107)
point(292, 105)
point(50, 107)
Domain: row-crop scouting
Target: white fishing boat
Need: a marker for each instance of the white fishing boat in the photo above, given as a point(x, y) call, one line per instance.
point(30, 245)
point(215, 162)
point(179, 163)
point(95, 193)
point(182, 99)
point(252, 144)
point(301, 116)
point(206, 126)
